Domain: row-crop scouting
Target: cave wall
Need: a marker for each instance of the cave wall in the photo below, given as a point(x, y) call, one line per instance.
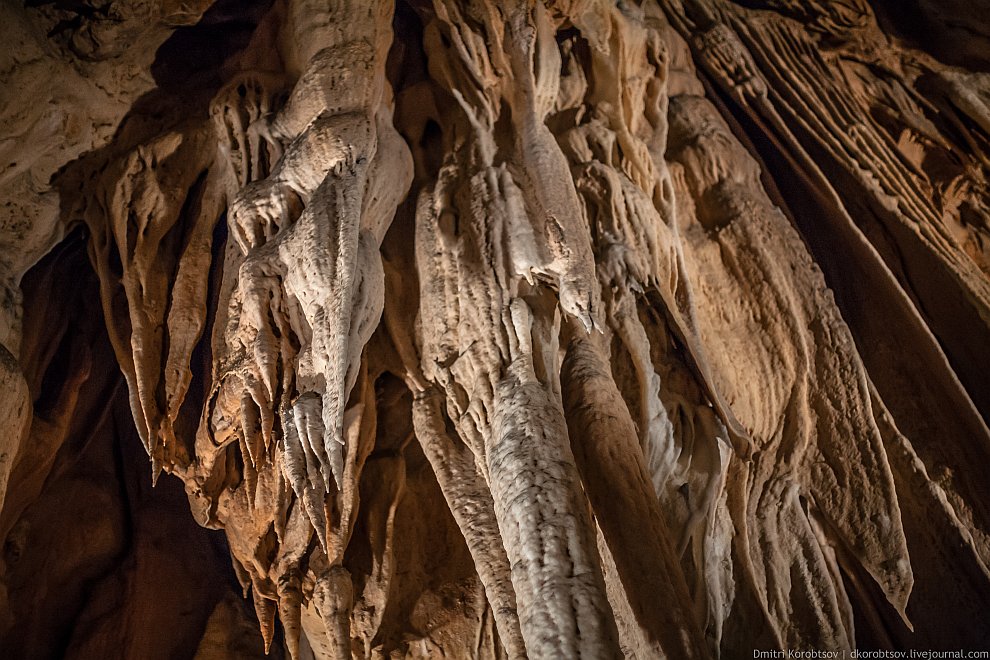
point(493, 329)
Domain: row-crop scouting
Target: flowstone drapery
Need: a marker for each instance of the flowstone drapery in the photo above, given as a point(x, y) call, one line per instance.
point(511, 329)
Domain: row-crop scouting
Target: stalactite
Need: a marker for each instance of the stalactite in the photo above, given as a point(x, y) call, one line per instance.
point(502, 329)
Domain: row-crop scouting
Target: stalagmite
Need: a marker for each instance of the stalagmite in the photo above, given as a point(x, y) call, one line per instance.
point(523, 329)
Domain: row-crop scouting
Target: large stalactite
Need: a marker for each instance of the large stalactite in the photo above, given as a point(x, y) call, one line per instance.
point(521, 328)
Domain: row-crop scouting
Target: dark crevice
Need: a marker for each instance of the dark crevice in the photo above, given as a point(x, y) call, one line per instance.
point(192, 57)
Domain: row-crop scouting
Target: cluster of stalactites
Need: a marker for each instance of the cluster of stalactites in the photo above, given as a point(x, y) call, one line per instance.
point(626, 370)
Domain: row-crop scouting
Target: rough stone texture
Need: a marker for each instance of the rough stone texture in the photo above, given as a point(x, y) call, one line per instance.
point(493, 329)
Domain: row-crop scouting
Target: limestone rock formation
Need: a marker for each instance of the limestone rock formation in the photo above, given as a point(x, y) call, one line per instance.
point(477, 328)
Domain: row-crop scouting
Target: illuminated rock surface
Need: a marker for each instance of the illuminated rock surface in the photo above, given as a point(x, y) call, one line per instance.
point(493, 329)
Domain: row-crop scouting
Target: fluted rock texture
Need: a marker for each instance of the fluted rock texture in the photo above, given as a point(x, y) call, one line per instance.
point(493, 329)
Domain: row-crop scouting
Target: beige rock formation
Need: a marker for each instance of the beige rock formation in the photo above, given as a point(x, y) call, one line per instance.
point(485, 329)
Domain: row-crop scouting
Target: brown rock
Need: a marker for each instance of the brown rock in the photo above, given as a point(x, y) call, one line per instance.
point(493, 329)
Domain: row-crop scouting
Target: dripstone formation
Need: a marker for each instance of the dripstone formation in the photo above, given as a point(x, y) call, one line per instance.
point(493, 329)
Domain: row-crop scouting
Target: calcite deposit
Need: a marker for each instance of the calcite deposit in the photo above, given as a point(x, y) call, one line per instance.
point(493, 328)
